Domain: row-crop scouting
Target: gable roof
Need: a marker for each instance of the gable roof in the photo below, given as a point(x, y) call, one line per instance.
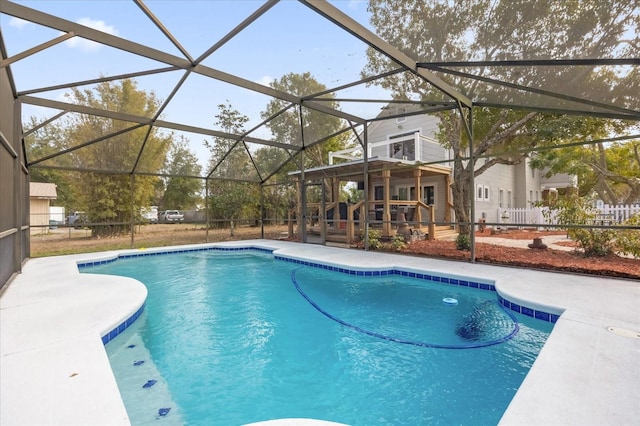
point(43, 190)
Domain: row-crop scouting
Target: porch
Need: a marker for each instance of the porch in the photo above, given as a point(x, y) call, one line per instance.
point(414, 217)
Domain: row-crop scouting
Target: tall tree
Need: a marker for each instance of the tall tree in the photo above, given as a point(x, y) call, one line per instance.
point(46, 141)
point(297, 125)
point(108, 197)
point(229, 197)
point(182, 192)
point(610, 171)
point(437, 30)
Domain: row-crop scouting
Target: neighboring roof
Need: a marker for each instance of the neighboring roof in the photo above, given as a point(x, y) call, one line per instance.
point(43, 190)
point(352, 170)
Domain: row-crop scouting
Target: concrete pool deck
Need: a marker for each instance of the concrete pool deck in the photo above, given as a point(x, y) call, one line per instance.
point(54, 369)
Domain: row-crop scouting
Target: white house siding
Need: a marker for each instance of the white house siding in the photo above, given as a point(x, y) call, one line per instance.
point(380, 151)
point(496, 178)
point(432, 151)
point(386, 129)
point(519, 188)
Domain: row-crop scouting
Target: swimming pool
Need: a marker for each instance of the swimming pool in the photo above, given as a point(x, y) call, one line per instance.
point(230, 338)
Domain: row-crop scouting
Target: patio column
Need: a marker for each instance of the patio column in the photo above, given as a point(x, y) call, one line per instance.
point(386, 210)
point(299, 209)
point(417, 215)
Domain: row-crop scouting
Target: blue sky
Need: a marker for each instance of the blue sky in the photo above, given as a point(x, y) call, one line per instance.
point(290, 37)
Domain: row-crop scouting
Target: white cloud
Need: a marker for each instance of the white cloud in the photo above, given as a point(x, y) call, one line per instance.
point(88, 45)
point(18, 23)
point(265, 80)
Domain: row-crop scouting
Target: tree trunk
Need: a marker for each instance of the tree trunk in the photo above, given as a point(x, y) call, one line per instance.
point(461, 191)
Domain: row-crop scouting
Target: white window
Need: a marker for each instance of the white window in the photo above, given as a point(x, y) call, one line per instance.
point(530, 196)
point(501, 198)
point(482, 192)
point(509, 199)
point(400, 119)
point(404, 192)
point(408, 193)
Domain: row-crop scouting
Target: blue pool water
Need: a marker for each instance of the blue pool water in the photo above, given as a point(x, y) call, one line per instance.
point(237, 337)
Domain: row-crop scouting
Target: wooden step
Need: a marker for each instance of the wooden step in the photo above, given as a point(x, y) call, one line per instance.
point(445, 233)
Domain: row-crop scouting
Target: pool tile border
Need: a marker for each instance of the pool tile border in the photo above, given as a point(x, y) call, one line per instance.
point(122, 326)
point(458, 281)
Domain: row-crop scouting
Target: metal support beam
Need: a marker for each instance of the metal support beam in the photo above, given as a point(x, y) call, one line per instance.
point(36, 49)
point(132, 218)
point(206, 208)
point(20, 193)
point(365, 148)
point(350, 25)
point(262, 211)
point(468, 127)
point(63, 25)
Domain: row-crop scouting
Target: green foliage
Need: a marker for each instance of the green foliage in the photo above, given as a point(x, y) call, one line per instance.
point(397, 242)
point(628, 240)
point(294, 123)
point(375, 242)
point(108, 148)
point(435, 30)
point(608, 170)
point(580, 211)
point(229, 158)
point(229, 197)
point(463, 242)
point(182, 193)
point(45, 142)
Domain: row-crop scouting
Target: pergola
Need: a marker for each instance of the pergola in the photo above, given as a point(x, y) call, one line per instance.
point(225, 62)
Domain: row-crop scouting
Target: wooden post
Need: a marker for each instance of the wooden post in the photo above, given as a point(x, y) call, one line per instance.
point(299, 207)
point(432, 223)
point(447, 198)
point(417, 215)
point(350, 225)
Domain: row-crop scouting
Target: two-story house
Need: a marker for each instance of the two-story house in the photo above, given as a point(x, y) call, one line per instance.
point(402, 155)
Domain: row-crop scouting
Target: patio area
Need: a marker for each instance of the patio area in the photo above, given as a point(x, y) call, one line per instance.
point(55, 370)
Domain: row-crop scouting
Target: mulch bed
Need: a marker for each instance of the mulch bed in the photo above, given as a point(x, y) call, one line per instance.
point(547, 259)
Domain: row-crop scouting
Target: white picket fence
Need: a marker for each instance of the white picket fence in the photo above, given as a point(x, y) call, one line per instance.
point(607, 215)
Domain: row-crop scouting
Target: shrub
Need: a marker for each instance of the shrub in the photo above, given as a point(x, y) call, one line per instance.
point(397, 242)
point(463, 242)
point(374, 239)
point(628, 240)
point(580, 211)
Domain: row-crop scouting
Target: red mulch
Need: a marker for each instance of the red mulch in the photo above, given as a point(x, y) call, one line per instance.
point(548, 259)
